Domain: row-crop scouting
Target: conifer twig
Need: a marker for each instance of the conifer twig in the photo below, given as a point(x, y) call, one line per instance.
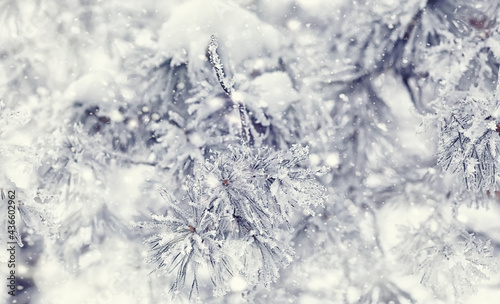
point(227, 87)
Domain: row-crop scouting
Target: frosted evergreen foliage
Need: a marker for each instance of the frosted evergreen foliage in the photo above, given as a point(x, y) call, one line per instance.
point(290, 139)
point(74, 186)
point(451, 265)
point(243, 198)
point(408, 37)
point(188, 111)
point(469, 143)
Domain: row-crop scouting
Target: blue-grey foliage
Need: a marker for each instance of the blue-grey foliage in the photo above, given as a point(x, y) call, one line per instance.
point(281, 134)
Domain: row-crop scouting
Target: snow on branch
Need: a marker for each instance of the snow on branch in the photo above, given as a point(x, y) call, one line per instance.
point(217, 65)
point(232, 221)
point(470, 143)
point(452, 262)
point(227, 87)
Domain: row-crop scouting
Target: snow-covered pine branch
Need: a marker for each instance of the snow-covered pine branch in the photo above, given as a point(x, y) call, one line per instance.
point(217, 65)
point(238, 205)
point(470, 143)
point(450, 261)
point(228, 88)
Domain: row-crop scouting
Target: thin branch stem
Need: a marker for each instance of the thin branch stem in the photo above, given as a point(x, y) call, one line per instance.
point(227, 87)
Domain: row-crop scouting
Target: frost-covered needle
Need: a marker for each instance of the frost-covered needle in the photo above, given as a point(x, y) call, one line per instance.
point(227, 87)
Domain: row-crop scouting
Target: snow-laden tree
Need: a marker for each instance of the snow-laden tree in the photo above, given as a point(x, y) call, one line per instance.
point(257, 151)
